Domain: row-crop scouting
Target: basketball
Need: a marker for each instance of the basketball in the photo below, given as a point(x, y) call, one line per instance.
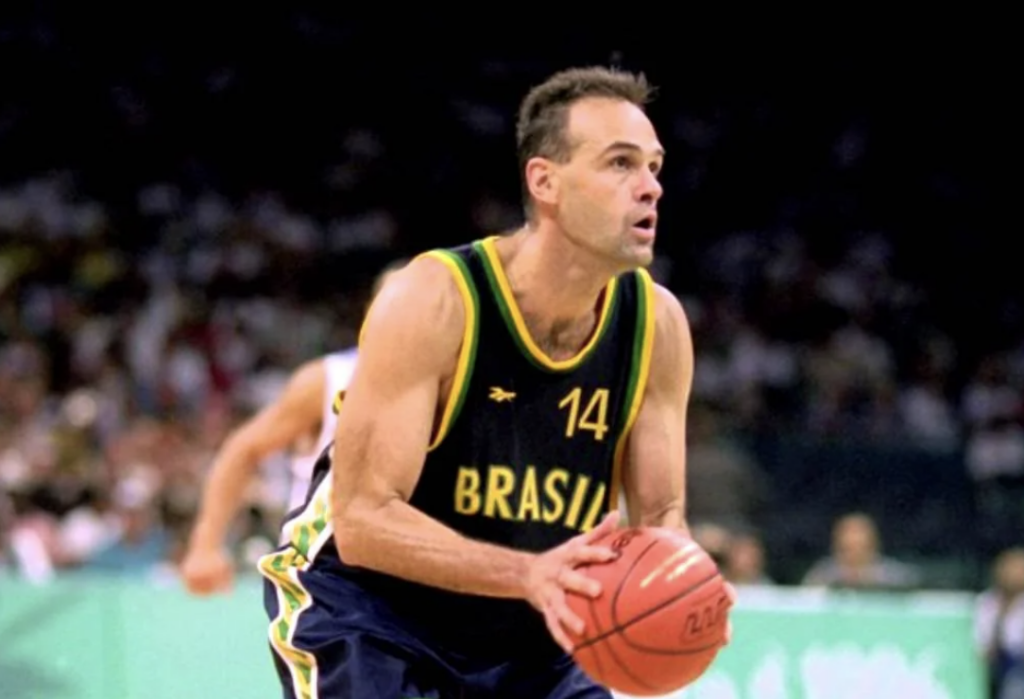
point(661, 617)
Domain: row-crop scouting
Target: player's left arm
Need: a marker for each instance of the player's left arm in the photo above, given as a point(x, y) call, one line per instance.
point(654, 472)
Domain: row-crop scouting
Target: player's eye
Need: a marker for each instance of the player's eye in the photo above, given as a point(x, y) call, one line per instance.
point(622, 161)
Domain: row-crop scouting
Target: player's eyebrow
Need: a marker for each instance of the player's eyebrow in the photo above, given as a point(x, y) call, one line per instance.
point(626, 145)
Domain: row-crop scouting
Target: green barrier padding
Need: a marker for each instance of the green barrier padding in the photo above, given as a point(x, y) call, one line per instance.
point(113, 638)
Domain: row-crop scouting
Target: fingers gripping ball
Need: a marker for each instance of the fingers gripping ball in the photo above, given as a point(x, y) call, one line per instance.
point(661, 617)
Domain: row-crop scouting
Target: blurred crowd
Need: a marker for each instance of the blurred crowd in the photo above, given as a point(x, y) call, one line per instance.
point(125, 370)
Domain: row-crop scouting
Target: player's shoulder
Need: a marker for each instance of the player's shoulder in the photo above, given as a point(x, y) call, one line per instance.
point(419, 301)
point(311, 370)
point(306, 384)
point(428, 282)
point(671, 324)
point(667, 305)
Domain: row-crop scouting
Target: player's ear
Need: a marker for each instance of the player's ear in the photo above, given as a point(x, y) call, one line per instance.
point(542, 180)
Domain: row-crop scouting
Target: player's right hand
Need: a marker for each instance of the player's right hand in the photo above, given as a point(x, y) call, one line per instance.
point(207, 571)
point(553, 573)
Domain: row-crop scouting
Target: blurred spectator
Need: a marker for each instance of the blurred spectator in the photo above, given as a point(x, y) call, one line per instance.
point(995, 462)
point(141, 542)
point(89, 528)
point(31, 540)
point(857, 561)
point(745, 562)
point(724, 483)
point(927, 412)
point(999, 626)
point(713, 539)
point(990, 394)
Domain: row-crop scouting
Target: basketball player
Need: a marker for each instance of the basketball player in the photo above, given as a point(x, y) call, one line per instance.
point(505, 390)
point(307, 406)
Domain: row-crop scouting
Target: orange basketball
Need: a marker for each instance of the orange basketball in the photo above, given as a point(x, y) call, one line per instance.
point(661, 617)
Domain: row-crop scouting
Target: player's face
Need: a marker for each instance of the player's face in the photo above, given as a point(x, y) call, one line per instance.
point(609, 188)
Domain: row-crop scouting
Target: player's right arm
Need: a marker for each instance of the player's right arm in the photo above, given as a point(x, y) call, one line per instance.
point(409, 344)
point(207, 567)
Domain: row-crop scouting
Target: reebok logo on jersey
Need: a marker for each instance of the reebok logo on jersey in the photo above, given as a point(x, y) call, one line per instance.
point(500, 395)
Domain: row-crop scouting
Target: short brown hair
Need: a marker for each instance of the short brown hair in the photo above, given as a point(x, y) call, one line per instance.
point(543, 113)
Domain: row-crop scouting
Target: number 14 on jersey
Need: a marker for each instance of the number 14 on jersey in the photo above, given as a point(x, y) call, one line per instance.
point(594, 417)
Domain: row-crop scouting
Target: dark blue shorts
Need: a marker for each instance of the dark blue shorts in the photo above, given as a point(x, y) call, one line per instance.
point(332, 640)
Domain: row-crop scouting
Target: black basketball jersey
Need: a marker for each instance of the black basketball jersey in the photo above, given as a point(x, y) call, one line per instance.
point(528, 449)
point(527, 456)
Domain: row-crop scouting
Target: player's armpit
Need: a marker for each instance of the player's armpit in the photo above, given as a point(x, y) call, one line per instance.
point(654, 474)
point(409, 345)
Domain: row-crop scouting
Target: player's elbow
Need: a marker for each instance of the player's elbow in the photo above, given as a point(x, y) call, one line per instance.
point(346, 530)
point(243, 449)
point(346, 539)
point(354, 524)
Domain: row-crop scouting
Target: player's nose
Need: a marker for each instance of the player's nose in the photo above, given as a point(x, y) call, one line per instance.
point(649, 189)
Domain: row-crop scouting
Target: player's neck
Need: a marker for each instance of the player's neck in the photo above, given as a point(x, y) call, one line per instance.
point(550, 278)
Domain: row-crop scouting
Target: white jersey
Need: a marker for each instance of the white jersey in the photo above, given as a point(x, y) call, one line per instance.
point(338, 368)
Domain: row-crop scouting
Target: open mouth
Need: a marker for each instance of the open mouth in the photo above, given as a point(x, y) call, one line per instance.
point(646, 223)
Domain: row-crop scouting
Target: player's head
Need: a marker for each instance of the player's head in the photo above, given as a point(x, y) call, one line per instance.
point(589, 159)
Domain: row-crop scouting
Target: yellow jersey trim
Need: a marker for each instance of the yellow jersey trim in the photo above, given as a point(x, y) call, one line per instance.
point(470, 334)
point(514, 317)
